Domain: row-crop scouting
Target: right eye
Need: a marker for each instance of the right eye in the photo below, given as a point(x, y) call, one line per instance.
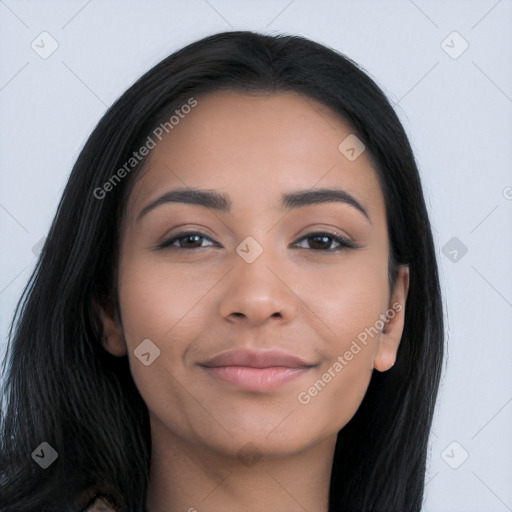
point(187, 240)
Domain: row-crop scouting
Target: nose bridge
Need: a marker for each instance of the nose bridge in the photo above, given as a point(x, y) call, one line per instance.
point(255, 288)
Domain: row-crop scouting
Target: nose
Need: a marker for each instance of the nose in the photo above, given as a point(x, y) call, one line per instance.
point(256, 292)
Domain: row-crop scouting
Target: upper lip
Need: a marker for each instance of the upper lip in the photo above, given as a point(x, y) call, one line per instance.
point(252, 359)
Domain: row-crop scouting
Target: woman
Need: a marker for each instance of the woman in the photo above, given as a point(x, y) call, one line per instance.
point(237, 306)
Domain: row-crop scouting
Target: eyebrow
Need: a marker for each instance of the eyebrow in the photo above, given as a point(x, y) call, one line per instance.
point(221, 202)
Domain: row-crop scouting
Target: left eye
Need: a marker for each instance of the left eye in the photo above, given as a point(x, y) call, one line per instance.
point(321, 240)
point(317, 242)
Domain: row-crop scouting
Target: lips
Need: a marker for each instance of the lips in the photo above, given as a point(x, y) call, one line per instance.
point(267, 359)
point(256, 371)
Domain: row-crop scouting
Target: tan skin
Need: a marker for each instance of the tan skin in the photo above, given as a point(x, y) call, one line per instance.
point(302, 295)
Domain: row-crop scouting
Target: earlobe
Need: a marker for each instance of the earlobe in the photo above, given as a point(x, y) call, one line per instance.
point(393, 328)
point(112, 338)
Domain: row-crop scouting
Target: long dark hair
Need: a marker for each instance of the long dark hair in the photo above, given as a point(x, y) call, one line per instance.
point(62, 387)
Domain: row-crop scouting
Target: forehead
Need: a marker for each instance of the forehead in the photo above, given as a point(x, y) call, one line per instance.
point(255, 147)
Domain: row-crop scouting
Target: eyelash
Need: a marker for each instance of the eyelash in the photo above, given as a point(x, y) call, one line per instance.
point(344, 242)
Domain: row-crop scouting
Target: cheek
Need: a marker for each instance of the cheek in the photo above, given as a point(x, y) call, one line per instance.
point(167, 307)
point(157, 299)
point(347, 297)
point(351, 301)
point(331, 400)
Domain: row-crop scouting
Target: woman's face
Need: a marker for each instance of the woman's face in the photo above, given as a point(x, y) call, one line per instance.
point(262, 274)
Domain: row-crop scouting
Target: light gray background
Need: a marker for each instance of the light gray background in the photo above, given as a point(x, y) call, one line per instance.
point(457, 112)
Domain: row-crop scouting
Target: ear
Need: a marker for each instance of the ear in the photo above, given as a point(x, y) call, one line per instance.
point(392, 331)
point(112, 339)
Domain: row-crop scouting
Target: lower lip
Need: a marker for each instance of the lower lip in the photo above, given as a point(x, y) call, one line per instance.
point(256, 379)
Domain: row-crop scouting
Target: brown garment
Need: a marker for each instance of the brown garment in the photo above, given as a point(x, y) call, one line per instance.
point(100, 504)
